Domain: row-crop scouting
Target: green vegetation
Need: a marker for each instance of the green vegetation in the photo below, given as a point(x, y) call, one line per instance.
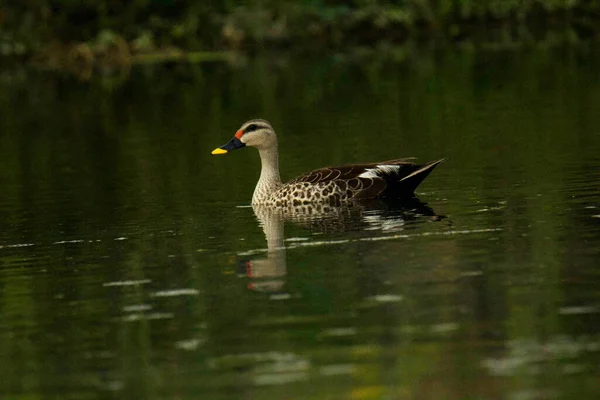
point(87, 31)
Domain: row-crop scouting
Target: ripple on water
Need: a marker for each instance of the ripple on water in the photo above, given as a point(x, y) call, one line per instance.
point(317, 243)
point(137, 308)
point(127, 283)
point(147, 316)
point(189, 344)
point(386, 298)
point(274, 368)
point(578, 310)
point(525, 357)
point(16, 245)
point(176, 293)
point(280, 296)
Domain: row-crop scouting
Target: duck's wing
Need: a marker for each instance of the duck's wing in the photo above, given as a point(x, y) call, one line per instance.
point(352, 171)
point(367, 180)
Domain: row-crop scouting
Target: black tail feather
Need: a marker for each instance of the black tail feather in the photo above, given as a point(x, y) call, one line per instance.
point(408, 184)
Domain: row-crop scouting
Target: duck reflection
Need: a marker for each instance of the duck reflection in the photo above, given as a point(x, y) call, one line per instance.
point(267, 274)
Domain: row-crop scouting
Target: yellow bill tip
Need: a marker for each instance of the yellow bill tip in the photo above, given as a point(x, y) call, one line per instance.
point(218, 150)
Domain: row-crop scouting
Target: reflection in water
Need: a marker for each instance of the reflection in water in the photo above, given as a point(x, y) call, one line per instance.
point(268, 273)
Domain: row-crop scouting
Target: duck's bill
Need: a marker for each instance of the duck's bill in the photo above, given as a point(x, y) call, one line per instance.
point(233, 144)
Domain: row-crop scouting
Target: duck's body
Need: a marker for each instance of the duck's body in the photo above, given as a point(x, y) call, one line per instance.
point(331, 185)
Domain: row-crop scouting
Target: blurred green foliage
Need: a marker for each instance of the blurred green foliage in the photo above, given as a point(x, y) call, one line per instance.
point(29, 25)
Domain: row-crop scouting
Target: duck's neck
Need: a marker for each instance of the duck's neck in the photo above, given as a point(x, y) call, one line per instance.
point(269, 180)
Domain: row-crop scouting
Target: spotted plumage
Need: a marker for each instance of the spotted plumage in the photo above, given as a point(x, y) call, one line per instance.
point(331, 185)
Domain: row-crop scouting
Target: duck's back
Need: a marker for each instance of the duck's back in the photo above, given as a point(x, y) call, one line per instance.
point(341, 184)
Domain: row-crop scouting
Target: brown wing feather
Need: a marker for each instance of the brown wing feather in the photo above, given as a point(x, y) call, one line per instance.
point(345, 172)
point(348, 179)
point(371, 188)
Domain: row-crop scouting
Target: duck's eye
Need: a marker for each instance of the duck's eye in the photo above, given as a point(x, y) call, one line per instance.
point(250, 128)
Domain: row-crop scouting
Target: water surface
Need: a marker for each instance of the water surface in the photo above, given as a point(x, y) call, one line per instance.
point(132, 266)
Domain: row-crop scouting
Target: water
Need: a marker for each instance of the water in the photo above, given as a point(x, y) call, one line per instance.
point(132, 266)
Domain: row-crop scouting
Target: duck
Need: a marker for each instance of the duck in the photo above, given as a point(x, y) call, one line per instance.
point(334, 186)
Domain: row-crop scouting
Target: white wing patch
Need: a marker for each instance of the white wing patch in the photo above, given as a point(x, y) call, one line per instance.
point(379, 171)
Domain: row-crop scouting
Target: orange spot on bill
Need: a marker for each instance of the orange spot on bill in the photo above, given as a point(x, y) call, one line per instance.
point(239, 134)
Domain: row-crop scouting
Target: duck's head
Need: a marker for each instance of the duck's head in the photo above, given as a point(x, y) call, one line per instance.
point(254, 133)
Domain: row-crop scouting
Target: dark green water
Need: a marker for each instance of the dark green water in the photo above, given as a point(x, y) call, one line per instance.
point(122, 237)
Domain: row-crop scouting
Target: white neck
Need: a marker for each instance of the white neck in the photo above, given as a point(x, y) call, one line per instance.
point(269, 180)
